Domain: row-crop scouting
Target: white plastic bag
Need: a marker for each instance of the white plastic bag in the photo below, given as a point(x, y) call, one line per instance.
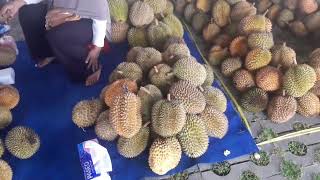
point(7, 76)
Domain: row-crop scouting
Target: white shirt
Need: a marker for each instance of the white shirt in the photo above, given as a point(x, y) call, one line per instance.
point(100, 28)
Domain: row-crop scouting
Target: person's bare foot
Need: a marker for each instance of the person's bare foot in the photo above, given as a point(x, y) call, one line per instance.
point(45, 62)
point(94, 78)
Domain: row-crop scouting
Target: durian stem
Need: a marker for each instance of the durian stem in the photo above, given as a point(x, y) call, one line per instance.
point(146, 124)
point(156, 69)
point(169, 97)
point(120, 72)
point(253, 4)
point(283, 92)
point(145, 90)
point(171, 57)
point(156, 21)
point(266, 12)
point(169, 74)
point(212, 21)
point(284, 44)
point(201, 88)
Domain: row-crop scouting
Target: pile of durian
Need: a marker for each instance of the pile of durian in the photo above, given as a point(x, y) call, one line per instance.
point(302, 17)
point(266, 74)
point(143, 23)
point(21, 142)
point(159, 102)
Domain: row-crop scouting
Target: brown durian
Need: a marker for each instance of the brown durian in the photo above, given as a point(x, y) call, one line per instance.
point(269, 78)
point(291, 4)
point(254, 23)
point(239, 46)
point(263, 5)
point(116, 88)
point(221, 12)
point(9, 96)
point(298, 28)
point(312, 22)
point(241, 10)
point(285, 17)
point(217, 54)
point(243, 80)
point(274, 12)
point(257, 59)
point(283, 56)
point(189, 12)
point(210, 31)
point(308, 105)
point(308, 6)
point(282, 108)
point(222, 40)
point(230, 65)
point(199, 20)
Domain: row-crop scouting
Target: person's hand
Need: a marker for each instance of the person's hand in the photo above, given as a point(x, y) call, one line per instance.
point(92, 59)
point(10, 9)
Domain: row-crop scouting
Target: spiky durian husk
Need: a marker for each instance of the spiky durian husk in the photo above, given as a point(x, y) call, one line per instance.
point(239, 46)
point(308, 105)
point(193, 137)
point(175, 25)
point(254, 100)
point(127, 70)
point(148, 58)
point(158, 6)
point(137, 37)
point(215, 97)
point(1, 148)
point(254, 23)
point(269, 78)
point(149, 95)
point(86, 112)
point(164, 155)
point(257, 59)
point(103, 127)
point(118, 10)
point(134, 146)
point(175, 52)
point(282, 108)
point(141, 14)
point(221, 12)
point(125, 114)
point(158, 33)
point(162, 77)
point(8, 56)
point(119, 32)
point(241, 10)
point(243, 80)
point(22, 142)
point(9, 96)
point(230, 65)
point(5, 117)
point(133, 52)
point(210, 76)
point(6, 171)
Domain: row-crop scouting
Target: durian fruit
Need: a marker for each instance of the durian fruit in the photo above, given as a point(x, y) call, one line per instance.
point(7, 56)
point(222, 40)
point(22, 142)
point(103, 127)
point(308, 6)
point(175, 25)
point(243, 80)
point(254, 100)
point(298, 28)
point(5, 117)
point(312, 22)
point(314, 61)
point(234, 2)
point(298, 80)
point(291, 4)
point(257, 58)
point(158, 6)
point(189, 12)
point(86, 112)
point(168, 117)
point(210, 76)
point(9, 96)
point(269, 78)
point(173, 40)
point(119, 32)
point(116, 88)
point(199, 20)
point(6, 171)
point(164, 155)
point(215, 121)
point(118, 10)
point(221, 12)
point(281, 108)
point(174, 52)
point(158, 33)
point(133, 52)
point(137, 37)
point(316, 88)
point(204, 5)
point(1, 148)
point(141, 14)
point(127, 70)
point(274, 12)
point(231, 29)
point(189, 69)
point(254, 23)
point(239, 46)
point(148, 57)
point(230, 65)
point(125, 114)
point(179, 6)
point(216, 55)
point(263, 5)
point(308, 105)
point(101, 96)
point(134, 146)
point(210, 31)
point(283, 55)
point(193, 137)
point(285, 17)
point(241, 10)
point(215, 98)
point(260, 40)
point(169, 8)
point(149, 95)
point(192, 98)
point(162, 77)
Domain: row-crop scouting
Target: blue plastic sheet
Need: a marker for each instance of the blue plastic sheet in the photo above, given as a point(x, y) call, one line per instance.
point(47, 99)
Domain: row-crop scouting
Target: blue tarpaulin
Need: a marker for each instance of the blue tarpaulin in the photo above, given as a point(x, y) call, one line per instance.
point(47, 99)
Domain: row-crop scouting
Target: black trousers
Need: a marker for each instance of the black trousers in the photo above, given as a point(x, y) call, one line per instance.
point(67, 42)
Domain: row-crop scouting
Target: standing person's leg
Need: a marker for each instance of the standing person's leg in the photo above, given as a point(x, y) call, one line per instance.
point(32, 20)
point(69, 43)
